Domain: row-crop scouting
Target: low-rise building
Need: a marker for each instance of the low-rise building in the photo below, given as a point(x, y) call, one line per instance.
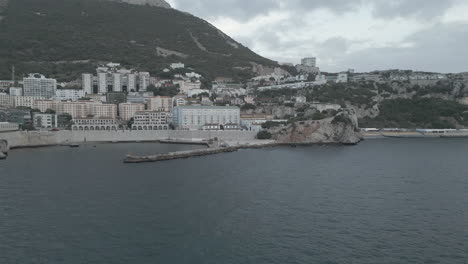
point(8, 126)
point(94, 124)
point(69, 94)
point(151, 120)
point(44, 121)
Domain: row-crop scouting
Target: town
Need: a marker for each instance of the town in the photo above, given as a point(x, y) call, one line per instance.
point(116, 98)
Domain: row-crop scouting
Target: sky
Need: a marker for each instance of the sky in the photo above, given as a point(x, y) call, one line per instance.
point(365, 35)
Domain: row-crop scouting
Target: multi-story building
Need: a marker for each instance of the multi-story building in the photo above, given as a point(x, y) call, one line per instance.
point(16, 91)
point(160, 103)
point(26, 101)
point(5, 84)
point(177, 65)
point(195, 117)
point(104, 111)
point(94, 124)
point(6, 100)
point(44, 121)
point(151, 120)
point(43, 105)
point(128, 110)
point(87, 83)
point(144, 81)
point(78, 109)
point(39, 85)
point(139, 97)
point(113, 79)
point(69, 94)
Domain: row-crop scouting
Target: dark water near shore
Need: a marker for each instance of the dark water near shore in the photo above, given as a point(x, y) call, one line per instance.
point(383, 201)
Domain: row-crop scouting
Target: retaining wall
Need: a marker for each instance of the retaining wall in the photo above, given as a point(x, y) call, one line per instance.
point(33, 138)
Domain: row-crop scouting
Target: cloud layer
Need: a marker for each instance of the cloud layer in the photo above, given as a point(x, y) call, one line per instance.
point(366, 35)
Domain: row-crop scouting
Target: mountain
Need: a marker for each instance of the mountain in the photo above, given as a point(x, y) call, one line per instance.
point(63, 38)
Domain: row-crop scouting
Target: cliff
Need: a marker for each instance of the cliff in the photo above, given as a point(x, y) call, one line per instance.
point(342, 128)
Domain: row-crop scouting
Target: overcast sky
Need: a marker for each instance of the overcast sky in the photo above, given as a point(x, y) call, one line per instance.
point(429, 35)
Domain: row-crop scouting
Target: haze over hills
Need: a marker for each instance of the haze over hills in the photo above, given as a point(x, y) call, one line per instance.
point(63, 38)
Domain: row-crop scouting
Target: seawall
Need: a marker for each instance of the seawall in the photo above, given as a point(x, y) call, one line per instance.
point(38, 139)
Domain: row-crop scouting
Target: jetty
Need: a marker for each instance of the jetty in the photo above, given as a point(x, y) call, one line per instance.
point(194, 153)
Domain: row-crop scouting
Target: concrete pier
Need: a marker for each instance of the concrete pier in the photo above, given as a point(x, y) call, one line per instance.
point(194, 153)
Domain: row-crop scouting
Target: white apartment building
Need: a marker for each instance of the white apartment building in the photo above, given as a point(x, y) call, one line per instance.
point(151, 120)
point(87, 83)
point(16, 91)
point(69, 94)
point(94, 124)
point(26, 101)
point(44, 121)
point(144, 80)
point(196, 117)
point(160, 103)
point(128, 110)
point(104, 111)
point(39, 85)
point(78, 109)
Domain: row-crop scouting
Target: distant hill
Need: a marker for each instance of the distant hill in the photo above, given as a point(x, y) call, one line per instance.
point(62, 38)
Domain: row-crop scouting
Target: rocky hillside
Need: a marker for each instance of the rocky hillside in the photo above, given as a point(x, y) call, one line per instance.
point(342, 128)
point(63, 38)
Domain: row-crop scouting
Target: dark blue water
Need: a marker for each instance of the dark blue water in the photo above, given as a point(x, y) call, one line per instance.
point(384, 201)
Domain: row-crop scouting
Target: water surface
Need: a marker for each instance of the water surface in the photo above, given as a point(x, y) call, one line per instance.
point(383, 201)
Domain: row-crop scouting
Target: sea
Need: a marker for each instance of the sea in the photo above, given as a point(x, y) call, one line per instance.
point(382, 201)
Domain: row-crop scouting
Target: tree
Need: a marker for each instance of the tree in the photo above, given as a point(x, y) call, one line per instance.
point(264, 135)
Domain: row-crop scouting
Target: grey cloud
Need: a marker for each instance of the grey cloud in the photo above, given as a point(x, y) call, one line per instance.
point(244, 10)
point(417, 8)
point(439, 49)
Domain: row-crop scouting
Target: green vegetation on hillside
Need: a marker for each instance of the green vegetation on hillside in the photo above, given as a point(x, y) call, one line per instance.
point(419, 113)
point(45, 36)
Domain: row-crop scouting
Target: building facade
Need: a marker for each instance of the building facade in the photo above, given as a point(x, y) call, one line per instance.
point(128, 110)
point(39, 85)
point(94, 124)
point(195, 117)
point(160, 103)
point(151, 120)
point(69, 94)
point(44, 121)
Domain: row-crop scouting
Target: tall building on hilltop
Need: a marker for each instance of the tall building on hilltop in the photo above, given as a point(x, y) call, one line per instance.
point(38, 85)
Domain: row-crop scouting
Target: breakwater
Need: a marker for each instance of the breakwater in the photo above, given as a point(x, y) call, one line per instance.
point(195, 153)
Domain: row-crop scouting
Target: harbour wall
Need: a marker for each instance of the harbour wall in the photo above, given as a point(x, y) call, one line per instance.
point(37, 138)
